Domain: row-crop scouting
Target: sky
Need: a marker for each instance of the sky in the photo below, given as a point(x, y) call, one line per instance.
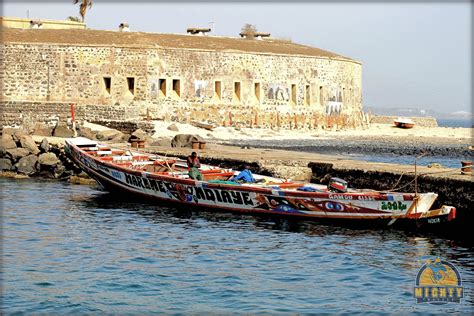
point(415, 55)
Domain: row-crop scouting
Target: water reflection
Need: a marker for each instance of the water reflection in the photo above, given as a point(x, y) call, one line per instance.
point(158, 213)
point(422, 246)
point(83, 251)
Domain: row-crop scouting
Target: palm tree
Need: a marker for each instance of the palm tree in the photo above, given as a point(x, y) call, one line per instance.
point(85, 4)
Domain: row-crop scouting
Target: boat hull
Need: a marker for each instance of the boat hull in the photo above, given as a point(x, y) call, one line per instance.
point(379, 209)
point(355, 223)
point(404, 123)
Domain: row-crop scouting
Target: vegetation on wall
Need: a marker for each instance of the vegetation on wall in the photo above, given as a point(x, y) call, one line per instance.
point(74, 18)
point(249, 30)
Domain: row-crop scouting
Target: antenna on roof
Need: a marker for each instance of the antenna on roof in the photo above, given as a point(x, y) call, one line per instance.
point(212, 25)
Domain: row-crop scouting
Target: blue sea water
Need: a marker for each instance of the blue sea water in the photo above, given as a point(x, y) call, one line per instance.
point(69, 249)
point(446, 162)
point(455, 123)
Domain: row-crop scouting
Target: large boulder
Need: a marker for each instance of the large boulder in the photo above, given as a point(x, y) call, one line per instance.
point(86, 132)
point(162, 142)
point(42, 129)
point(7, 142)
point(53, 172)
point(63, 131)
point(60, 171)
point(28, 143)
point(173, 128)
point(44, 146)
point(17, 153)
point(109, 134)
point(125, 137)
point(8, 130)
point(5, 164)
point(18, 134)
point(185, 140)
point(139, 134)
point(48, 159)
point(27, 165)
point(118, 138)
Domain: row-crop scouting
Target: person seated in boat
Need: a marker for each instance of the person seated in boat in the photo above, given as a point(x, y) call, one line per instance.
point(194, 165)
point(244, 176)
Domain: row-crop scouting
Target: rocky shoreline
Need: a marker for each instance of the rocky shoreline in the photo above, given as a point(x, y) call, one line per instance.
point(21, 156)
point(25, 152)
point(39, 151)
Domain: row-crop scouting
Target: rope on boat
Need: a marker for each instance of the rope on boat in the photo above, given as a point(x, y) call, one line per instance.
point(415, 179)
point(167, 165)
point(395, 188)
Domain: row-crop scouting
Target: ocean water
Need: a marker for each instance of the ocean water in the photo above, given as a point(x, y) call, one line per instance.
point(447, 155)
point(69, 249)
point(455, 123)
point(446, 162)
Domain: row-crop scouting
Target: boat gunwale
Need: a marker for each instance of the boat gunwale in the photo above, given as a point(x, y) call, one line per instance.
point(107, 181)
point(252, 211)
point(385, 196)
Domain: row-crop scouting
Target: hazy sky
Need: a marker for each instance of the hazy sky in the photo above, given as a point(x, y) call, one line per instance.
point(413, 54)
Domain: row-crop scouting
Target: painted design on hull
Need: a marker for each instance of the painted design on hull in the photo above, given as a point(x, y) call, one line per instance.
point(283, 198)
point(305, 206)
point(201, 193)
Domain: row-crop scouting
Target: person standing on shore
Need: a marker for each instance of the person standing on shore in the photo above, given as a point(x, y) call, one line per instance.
point(194, 165)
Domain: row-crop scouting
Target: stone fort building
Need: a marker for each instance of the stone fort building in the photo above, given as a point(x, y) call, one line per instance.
point(111, 75)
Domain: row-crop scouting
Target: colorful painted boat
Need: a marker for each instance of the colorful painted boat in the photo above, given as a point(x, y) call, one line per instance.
point(166, 180)
point(402, 122)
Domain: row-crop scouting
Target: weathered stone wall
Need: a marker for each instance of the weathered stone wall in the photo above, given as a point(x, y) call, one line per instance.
point(182, 84)
point(29, 112)
point(128, 126)
point(419, 121)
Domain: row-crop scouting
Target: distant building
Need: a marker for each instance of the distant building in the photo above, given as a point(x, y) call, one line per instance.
point(23, 23)
point(124, 27)
point(228, 81)
point(257, 35)
point(197, 30)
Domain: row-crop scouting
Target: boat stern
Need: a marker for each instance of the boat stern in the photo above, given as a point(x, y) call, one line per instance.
point(422, 204)
point(447, 211)
point(421, 209)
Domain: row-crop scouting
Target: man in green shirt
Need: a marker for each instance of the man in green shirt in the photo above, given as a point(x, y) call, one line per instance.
point(194, 165)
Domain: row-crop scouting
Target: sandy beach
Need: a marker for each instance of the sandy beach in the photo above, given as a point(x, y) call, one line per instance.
point(378, 138)
point(429, 134)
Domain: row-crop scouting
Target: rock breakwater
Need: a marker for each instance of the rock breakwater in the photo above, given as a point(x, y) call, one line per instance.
point(20, 154)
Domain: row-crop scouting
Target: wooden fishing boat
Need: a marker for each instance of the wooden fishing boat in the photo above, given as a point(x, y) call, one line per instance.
point(209, 127)
point(402, 122)
point(165, 179)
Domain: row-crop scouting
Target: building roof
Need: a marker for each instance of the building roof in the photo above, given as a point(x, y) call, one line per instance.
point(141, 39)
point(24, 23)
